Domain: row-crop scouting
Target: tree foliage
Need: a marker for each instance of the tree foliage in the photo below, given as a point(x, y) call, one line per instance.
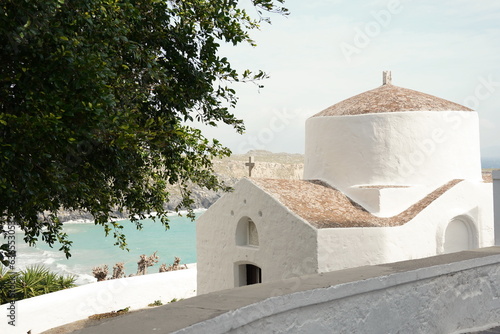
point(96, 100)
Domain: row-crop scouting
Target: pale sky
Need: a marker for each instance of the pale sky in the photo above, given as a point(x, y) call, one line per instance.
point(328, 50)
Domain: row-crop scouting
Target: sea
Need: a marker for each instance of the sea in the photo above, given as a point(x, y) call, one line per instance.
point(92, 248)
point(490, 163)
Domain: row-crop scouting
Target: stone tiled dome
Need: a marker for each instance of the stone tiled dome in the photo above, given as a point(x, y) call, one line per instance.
point(390, 98)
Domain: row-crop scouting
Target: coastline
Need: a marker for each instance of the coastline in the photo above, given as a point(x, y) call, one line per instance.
point(170, 214)
point(91, 248)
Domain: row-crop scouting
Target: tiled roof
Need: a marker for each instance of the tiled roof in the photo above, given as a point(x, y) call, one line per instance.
point(390, 98)
point(325, 207)
point(487, 177)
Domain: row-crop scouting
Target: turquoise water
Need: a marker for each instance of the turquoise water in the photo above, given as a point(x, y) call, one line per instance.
point(91, 248)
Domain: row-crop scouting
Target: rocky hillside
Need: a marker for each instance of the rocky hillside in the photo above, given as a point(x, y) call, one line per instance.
point(230, 170)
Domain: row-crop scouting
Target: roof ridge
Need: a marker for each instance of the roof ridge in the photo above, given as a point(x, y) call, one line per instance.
point(328, 207)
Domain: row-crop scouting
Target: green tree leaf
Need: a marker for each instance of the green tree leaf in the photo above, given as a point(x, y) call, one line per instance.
point(96, 103)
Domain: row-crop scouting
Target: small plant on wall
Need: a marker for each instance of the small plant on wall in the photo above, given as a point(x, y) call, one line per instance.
point(156, 303)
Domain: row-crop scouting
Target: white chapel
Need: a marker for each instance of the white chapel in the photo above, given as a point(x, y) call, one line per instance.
point(390, 174)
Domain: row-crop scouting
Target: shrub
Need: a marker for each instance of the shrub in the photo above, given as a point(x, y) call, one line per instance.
point(156, 303)
point(7, 278)
point(31, 282)
point(101, 273)
point(173, 267)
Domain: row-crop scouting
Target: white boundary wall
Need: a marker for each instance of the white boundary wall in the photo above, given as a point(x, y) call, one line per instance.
point(450, 297)
point(58, 308)
point(496, 204)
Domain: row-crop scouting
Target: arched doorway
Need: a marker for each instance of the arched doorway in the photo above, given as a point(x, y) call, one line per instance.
point(248, 274)
point(459, 236)
point(254, 274)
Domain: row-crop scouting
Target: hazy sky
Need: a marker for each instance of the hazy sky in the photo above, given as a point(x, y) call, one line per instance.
point(328, 50)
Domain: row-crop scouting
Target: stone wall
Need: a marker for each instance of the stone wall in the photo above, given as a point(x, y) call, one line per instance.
point(451, 293)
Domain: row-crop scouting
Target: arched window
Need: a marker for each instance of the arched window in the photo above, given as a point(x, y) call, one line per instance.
point(246, 233)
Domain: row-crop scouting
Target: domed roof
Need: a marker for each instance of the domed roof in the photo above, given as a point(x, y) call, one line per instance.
point(390, 98)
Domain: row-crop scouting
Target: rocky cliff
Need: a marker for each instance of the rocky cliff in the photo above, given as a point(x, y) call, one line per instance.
point(233, 168)
point(230, 170)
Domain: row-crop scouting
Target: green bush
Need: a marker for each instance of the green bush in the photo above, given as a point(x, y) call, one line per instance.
point(31, 282)
point(156, 303)
point(6, 279)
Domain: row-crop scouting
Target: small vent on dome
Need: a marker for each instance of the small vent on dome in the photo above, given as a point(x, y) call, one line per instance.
point(386, 78)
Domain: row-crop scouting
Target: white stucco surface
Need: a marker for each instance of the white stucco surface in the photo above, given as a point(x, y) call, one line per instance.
point(290, 247)
point(55, 309)
point(388, 201)
point(421, 237)
point(496, 197)
point(287, 246)
point(423, 148)
point(408, 185)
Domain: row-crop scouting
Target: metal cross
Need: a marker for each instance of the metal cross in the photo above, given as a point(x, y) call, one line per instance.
point(250, 164)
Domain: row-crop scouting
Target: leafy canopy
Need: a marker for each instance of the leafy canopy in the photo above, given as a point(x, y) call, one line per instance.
point(96, 98)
